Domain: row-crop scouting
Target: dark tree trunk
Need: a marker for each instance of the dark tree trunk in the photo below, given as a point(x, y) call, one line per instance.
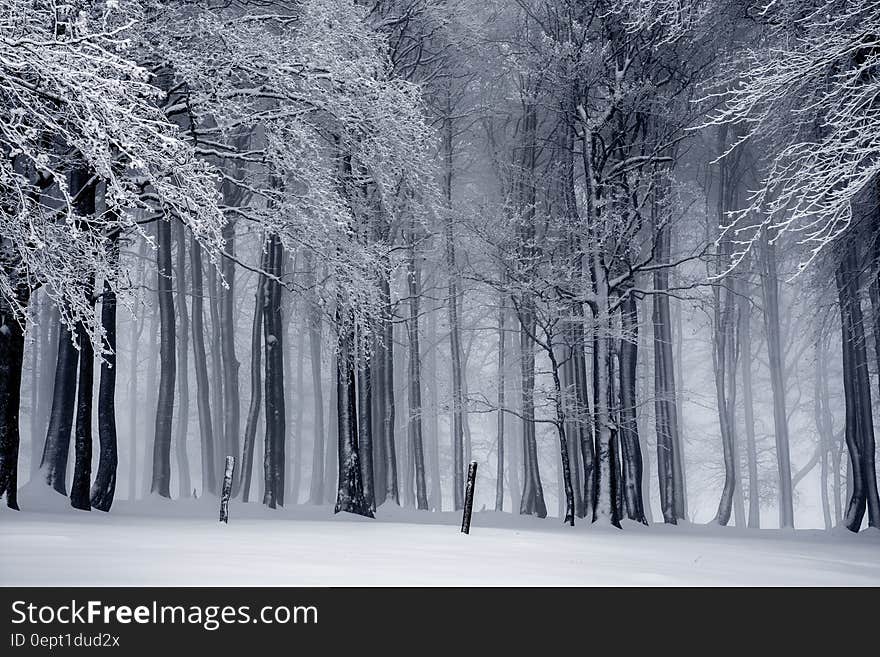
point(857, 393)
point(11, 365)
point(161, 479)
point(631, 453)
point(532, 501)
point(184, 482)
point(665, 405)
point(104, 487)
point(350, 490)
point(331, 462)
point(274, 459)
point(82, 466)
point(53, 465)
point(206, 426)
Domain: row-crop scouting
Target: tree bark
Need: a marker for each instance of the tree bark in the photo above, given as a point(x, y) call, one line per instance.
point(104, 487)
point(53, 465)
point(770, 296)
point(161, 479)
point(245, 472)
point(206, 425)
point(745, 341)
point(82, 466)
point(11, 366)
point(184, 482)
point(414, 284)
point(631, 453)
point(274, 459)
point(313, 319)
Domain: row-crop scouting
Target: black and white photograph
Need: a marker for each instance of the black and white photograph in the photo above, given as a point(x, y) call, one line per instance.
point(431, 294)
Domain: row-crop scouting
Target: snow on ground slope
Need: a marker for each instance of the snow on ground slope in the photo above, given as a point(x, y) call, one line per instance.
point(181, 543)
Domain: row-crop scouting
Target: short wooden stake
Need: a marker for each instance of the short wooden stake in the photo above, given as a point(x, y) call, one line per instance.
point(227, 489)
point(469, 498)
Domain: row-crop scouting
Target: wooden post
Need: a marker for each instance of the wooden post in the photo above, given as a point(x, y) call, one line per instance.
point(227, 489)
point(469, 498)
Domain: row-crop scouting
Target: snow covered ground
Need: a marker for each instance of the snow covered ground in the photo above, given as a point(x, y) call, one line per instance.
point(181, 543)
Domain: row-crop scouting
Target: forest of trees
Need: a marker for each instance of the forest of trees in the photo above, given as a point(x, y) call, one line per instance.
point(623, 253)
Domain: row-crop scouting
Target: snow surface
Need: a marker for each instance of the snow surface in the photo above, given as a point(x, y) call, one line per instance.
point(157, 542)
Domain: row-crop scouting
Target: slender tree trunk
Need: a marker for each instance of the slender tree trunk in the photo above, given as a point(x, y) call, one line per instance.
point(206, 425)
point(137, 327)
point(770, 296)
point(274, 459)
point(313, 319)
point(296, 434)
point(82, 467)
point(331, 463)
point(387, 368)
point(414, 282)
point(499, 471)
point(217, 377)
point(245, 472)
point(161, 480)
point(231, 396)
point(436, 494)
point(532, 501)
point(184, 482)
point(745, 340)
point(824, 428)
point(629, 432)
point(104, 487)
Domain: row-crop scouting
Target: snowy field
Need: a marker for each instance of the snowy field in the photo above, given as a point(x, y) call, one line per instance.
point(181, 543)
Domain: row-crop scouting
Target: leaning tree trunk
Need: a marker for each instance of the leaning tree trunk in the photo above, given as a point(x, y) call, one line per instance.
point(104, 487)
point(11, 365)
point(161, 479)
point(206, 425)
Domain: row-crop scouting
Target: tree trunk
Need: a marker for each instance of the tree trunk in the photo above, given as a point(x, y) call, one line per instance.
point(184, 483)
point(532, 501)
point(414, 282)
point(499, 470)
point(161, 480)
point(629, 432)
point(770, 297)
point(217, 377)
point(365, 423)
point(245, 472)
point(82, 449)
point(53, 465)
point(350, 491)
point(231, 396)
point(11, 366)
point(206, 425)
point(313, 319)
point(857, 392)
point(745, 341)
point(274, 459)
point(104, 487)
point(387, 369)
point(331, 462)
